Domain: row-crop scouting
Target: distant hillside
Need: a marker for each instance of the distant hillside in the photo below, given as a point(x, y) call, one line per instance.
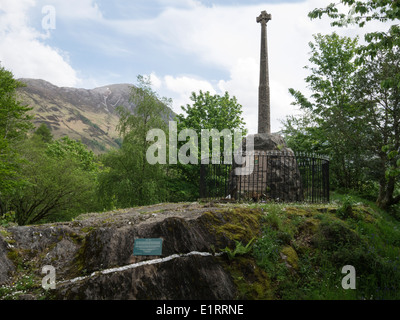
point(82, 114)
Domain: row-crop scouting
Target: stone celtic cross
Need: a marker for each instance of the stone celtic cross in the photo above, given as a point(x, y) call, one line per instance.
point(264, 107)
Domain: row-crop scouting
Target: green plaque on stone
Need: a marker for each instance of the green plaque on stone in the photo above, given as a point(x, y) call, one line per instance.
point(147, 247)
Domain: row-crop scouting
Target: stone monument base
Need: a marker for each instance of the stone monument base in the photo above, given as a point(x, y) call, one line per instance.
point(275, 175)
point(268, 142)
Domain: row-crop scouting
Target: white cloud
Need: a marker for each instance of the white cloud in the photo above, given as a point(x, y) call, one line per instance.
point(23, 52)
point(228, 38)
point(38, 61)
point(180, 89)
point(243, 84)
point(156, 82)
point(178, 3)
point(187, 84)
point(216, 36)
point(85, 10)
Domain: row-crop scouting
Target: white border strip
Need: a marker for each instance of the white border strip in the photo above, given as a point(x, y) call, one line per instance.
point(142, 263)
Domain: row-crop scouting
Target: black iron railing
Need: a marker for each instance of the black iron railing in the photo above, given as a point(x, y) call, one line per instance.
point(268, 176)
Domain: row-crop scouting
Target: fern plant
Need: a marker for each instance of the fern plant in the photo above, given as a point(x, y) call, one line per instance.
point(240, 249)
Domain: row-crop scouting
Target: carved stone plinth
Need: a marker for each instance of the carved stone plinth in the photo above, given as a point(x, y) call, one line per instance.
point(273, 173)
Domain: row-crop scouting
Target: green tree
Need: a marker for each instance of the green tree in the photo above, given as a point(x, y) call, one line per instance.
point(362, 12)
point(207, 112)
point(129, 179)
point(335, 125)
point(44, 133)
point(67, 147)
point(377, 43)
point(303, 134)
point(212, 112)
point(353, 115)
point(15, 122)
point(378, 95)
point(55, 188)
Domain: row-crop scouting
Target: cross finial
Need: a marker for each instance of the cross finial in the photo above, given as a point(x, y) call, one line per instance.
point(264, 17)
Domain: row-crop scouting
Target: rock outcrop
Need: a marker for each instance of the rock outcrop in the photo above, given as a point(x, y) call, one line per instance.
point(93, 255)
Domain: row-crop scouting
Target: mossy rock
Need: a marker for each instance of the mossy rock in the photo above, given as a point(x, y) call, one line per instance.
point(308, 226)
point(303, 212)
point(251, 281)
point(289, 255)
point(305, 232)
point(362, 213)
point(236, 224)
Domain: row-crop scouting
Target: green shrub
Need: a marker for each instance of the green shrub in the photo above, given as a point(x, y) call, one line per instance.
point(346, 210)
point(7, 218)
point(334, 234)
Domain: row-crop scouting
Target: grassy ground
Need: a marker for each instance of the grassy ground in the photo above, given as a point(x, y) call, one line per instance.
point(303, 249)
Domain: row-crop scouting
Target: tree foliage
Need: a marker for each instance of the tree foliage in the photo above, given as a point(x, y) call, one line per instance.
point(334, 123)
point(378, 95)
point(67, 147)
point(15, 122)
point(40, 179)
point(378, 80)
point(54, 186)
point(212, 112)
point(352, 114)
point(208, 112)
point(43, 133)
point(128, 179)
point(362, 12)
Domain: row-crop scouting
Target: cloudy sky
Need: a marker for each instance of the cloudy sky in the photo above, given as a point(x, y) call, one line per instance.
point(185, 45)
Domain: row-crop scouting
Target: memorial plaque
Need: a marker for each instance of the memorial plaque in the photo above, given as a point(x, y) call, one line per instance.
point(147, 247)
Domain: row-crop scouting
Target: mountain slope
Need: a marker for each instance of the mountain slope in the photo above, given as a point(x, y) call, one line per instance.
point(82, 114)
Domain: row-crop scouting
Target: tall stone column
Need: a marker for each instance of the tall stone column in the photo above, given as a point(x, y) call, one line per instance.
point(275, 174)
point(264, 106)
